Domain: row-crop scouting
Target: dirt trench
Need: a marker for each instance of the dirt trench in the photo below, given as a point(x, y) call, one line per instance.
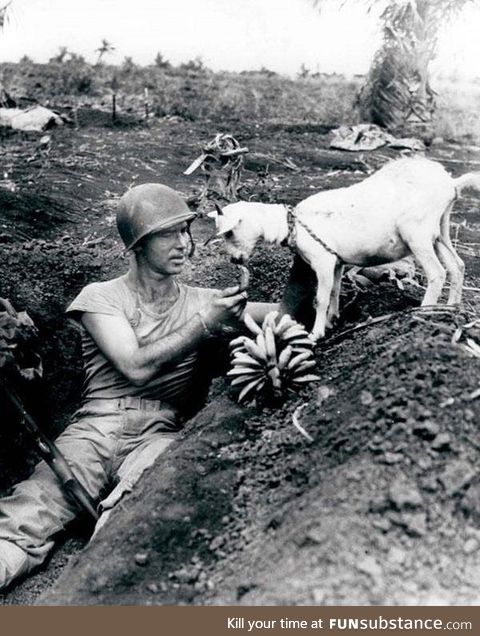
point(380, 508)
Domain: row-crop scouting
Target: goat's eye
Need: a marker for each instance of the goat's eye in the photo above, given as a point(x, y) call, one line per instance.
point(228, 234)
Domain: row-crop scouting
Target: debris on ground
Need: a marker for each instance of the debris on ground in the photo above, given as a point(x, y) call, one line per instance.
point(363, 137)
point(34, 119)
point(221, 163)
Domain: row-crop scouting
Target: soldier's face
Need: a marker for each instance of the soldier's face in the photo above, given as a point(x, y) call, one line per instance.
point(166, 251)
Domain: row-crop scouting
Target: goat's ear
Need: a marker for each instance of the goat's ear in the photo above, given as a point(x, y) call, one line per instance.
point(227, 224)
point(217, 214)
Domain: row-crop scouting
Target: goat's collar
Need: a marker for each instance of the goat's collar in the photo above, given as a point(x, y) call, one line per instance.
point(291, 238)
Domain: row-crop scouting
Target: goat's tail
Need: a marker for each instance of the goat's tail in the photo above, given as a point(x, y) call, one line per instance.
point(469, 180)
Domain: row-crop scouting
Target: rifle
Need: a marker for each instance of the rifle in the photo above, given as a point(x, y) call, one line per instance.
point(70, 485)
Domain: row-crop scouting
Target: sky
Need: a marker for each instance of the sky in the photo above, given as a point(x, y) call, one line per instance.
point(227, 34)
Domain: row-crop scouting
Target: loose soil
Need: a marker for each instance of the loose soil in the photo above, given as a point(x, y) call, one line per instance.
point(383, 507)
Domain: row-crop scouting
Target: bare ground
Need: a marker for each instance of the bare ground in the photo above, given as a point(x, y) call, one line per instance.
point(383, 507)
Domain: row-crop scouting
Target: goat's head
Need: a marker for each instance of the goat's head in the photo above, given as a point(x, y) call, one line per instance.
point(240, 229)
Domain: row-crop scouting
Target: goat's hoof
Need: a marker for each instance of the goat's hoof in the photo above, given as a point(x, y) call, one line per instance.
point(332, 321)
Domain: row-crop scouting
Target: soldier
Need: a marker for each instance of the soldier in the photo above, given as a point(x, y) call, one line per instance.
point(141, 337)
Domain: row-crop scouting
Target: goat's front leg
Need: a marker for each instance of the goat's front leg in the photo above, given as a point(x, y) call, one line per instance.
point(325, 271)
point(333, 313)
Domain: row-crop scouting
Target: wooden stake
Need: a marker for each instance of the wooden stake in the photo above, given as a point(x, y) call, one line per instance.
point(146, 103)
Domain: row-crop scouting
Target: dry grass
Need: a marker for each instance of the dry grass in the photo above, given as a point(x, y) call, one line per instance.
point(193, 92)
point(458, 108)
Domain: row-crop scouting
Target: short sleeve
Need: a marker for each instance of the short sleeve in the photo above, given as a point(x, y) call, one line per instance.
point(99, 298)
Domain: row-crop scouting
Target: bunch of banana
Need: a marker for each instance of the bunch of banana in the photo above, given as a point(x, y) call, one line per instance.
point(278, 357)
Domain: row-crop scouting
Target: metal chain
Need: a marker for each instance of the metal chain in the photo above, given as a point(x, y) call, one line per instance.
point(292, 232)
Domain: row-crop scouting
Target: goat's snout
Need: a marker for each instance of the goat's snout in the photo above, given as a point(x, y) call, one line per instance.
point(238, 260)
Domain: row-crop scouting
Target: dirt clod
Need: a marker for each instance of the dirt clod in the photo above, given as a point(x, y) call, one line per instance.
point(404, 494)
point(456, 476)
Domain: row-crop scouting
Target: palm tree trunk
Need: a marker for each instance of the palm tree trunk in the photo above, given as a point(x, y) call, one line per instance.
point(397, 93)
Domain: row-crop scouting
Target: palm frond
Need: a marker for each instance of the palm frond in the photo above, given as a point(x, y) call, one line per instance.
point(5, 14)
point(397, 90)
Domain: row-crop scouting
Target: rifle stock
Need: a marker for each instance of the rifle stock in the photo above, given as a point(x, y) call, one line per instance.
point(49, 452)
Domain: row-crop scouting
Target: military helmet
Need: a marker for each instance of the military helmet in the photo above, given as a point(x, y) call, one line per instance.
point(149, 208)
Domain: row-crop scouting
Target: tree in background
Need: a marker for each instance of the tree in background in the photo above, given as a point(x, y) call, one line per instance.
point(162, 62)
point(4, 14)
point(5, 99)
point(60, 56)
point(104, 48)
point(397, 93)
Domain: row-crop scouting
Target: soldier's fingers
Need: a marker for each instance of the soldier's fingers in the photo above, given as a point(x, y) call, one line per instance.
point(230, 291)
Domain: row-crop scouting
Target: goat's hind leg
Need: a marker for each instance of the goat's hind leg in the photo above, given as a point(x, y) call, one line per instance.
point(450, 261)
point(424, 253)
point(453, 263)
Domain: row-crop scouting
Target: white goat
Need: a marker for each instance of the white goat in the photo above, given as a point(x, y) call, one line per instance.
point(402, 209)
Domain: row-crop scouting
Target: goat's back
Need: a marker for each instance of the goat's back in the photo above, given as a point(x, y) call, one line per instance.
point(414, 178)
point(369, 217)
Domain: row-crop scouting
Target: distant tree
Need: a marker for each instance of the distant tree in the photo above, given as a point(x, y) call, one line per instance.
point(397, 91)
point(195, 65)
point(267, 71)
point(161, 62)
point(75, 58)
point(5, 99)
point(304, 72)
point(60, 56)
point(128, 65)
point(104, 48)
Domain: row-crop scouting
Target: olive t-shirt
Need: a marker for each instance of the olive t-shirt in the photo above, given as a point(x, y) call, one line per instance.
point(115, 298)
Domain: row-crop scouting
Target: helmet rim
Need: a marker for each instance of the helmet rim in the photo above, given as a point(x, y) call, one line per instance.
point(147, 209)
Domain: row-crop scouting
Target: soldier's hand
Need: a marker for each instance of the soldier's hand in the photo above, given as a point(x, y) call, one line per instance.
point(227, 306)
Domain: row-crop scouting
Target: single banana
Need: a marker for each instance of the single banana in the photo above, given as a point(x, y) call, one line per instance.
point(246, 359)
point(251, 324)
point(236, 341)
point(301, 342)
point(308, 364)
point(260, 340)
point(244, 379)
point(285, 322)
point(238, 370)
point(238, 349)
point(255, 384)
point(299, 358)
point(310, 377)
point(270, 345)
point(254, 350)
point(284, 357)
point(244, 277)
point(295, 331)
point(269, 320)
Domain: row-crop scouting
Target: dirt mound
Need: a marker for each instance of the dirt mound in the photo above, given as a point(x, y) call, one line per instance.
point(383, 507)
point(310, 512)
